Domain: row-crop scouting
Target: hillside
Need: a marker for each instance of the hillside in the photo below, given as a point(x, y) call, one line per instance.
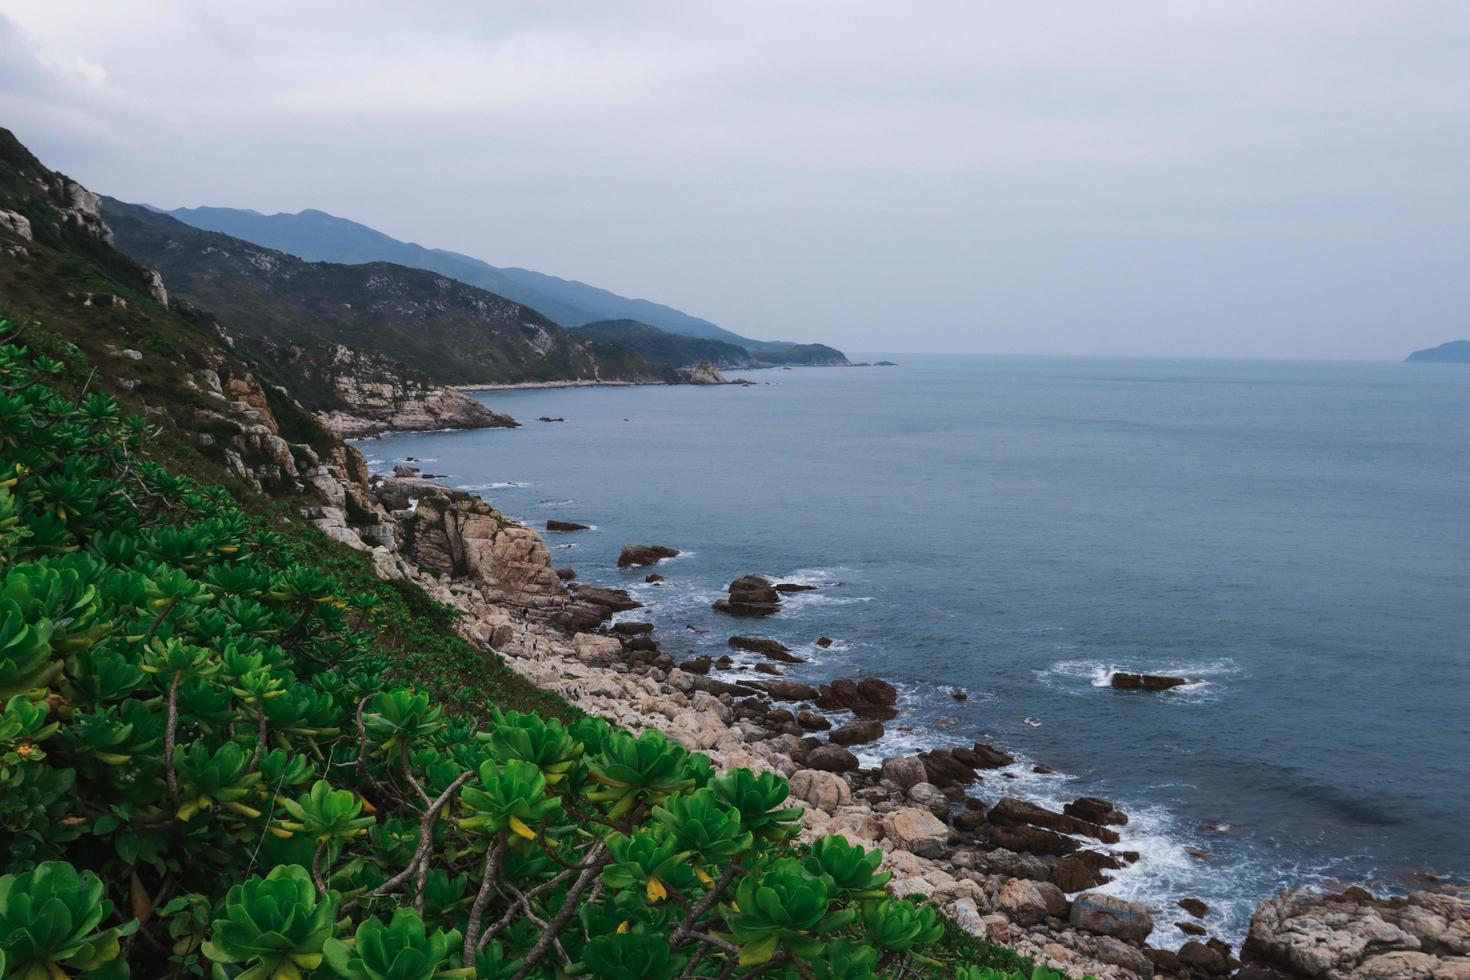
point(451, 332)
point(1453, 352)
point(322, 237)
point(661, 347)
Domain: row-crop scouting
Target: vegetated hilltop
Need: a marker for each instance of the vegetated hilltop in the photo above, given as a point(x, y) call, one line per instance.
point(451, 332)
point(319, 236)
point(662, 347)
point(1452, 352)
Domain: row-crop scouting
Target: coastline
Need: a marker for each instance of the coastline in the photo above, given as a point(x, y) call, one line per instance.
point(539, 385)
point(999, 874)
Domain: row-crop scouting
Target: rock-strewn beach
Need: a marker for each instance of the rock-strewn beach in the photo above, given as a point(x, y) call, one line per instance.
point(1012, 872)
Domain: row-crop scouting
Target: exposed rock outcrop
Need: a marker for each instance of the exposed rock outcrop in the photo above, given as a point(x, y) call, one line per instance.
point(750, 595)
point(460, 536)
point(703, 373)
point(361, 393)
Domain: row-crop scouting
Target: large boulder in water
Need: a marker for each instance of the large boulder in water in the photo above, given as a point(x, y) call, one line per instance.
point(858, 733)
point(750, 595)
point(644, 554)
point(1145, 682)
point(831, 758)
point(773, 649)
point(1010, 810)
point(1095, 810)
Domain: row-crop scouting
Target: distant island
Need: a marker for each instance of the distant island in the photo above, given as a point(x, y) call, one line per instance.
point(1454, 352)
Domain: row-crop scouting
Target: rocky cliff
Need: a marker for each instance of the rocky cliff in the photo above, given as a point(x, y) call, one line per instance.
point(361, 393)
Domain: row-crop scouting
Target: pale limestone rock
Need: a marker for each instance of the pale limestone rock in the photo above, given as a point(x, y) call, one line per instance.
point(916, 830)
point(824, 790)
point(594, 647)
point(17, 223)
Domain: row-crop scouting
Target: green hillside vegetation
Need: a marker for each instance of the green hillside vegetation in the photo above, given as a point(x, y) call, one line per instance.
point(451, 332)
point(661, 347)
point(212, 762)
point(322, 237)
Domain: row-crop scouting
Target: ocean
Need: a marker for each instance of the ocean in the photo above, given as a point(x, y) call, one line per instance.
point(1292, 537)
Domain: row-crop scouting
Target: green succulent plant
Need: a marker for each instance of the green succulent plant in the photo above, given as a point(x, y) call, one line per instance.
point(326, 814)
point(703, 826)
point(631, 956)
point(508, 797)
point(399, 717)
point(275, 926)
point(783, 906)
point(402, 950)
point(758, 800)
point(900, 925)
point(853, 869)
point(49, 919)
point(646, 862)
point(631, 770)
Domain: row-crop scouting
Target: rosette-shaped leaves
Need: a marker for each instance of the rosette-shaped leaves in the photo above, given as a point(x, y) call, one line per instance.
point(48, 923)
point(758, 800)
point(544, 743)
point(493, 963)
point(631, 956)
point(646, 862)
point(401, 950)
point(326, 814)
point(399, 717)
point(509, 797)
point(783, 906)
point(25, 652)
point(631, 770)
point(845, 960)
point(209, 779)
point(900, 925)
point(275, 926)
point(852, 869)
point(703, 826)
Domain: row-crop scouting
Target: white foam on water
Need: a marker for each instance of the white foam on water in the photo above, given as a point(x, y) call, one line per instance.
point(1206, 677)
point(555, 503)
point(503, 485)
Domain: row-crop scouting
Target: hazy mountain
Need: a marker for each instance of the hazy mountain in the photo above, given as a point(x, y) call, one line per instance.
point(322, 237)
point(1453, 352)
point(452, 332)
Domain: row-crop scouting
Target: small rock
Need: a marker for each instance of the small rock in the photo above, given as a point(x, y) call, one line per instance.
point(653, 578)
point(812, 721)
point(566, 574)
point(784, 690)
point(931, 798)
point(824, 641)
point(566, 526)
point(1194, 907)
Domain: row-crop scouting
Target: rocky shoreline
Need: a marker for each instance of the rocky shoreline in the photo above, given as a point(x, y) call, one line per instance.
point(1009, 871)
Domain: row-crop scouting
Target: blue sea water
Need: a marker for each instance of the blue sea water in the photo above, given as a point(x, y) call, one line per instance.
point(1293, 536)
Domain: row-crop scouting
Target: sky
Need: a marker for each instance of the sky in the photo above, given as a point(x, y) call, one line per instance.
point(1222, 178)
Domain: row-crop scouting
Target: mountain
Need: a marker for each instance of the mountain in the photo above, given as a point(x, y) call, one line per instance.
point(662, 347)
point(451, 332)
point(1454, 352)
point(322, 237)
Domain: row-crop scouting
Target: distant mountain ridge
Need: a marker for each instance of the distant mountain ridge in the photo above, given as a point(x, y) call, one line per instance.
point(321, 237)
point(1453, 352)
point(450, 332)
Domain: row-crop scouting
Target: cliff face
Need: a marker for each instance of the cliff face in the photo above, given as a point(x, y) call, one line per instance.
point(361, 393)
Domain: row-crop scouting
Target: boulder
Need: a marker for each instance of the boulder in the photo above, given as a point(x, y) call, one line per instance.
point(1109, 915)
point(784, 690)
point(1010, 810)
point(1208, 959)
point(767, 648)
point(1194, 907)
point(858, 733)
point(904, 771)
point(1082, 870)
point(916, 830)
point(1095, 810)
point(566, 526)
point(1030, 903)
point(942, 769)
point(929, 796)
point(653, 578)
point(849, 695)
point(831, 758)
point(697, 665)
point(1024, 838)
point(1301, 932)
point(459, 535)
point(822, 789)
point(824, 642)
point(812, 721)
point(1191, 928)
point(632, 628)
point(613, 600)
point(644, 554)
point(566, 574)
point(794, 587)
point(596, 648)
point(1145, 682)
point(983, 756)
point(750, 595)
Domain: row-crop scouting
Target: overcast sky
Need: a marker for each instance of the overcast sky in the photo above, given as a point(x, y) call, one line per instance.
point(1225, 178)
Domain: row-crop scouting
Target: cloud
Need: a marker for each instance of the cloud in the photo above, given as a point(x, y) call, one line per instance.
point(1237, 177)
